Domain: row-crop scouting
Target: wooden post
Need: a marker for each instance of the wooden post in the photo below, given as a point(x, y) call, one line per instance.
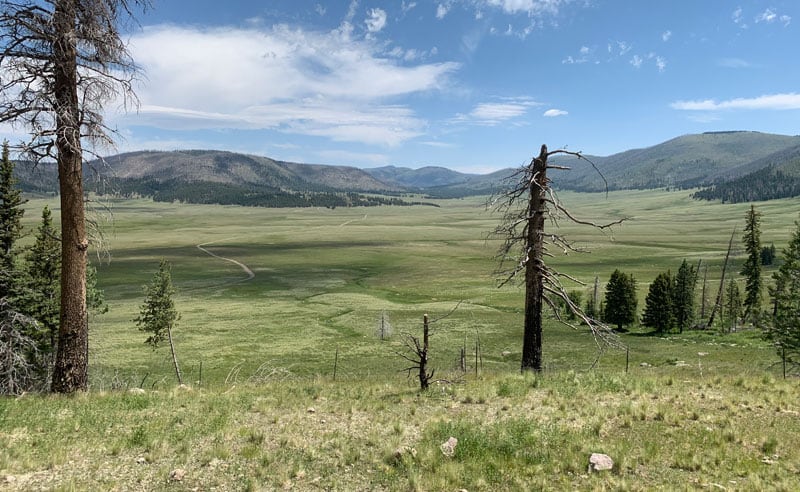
point(336, 360)
point(627, 358)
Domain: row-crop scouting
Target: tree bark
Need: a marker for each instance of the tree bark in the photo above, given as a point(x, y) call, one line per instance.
point(534, 271)
point(718, 302)
point(70, 371)
point(175, 357)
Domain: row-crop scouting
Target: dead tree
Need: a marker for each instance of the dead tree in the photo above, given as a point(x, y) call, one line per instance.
point(63, 60)
point(718, 301)
point(419, 354)
point(18, 352)
point(525, 205)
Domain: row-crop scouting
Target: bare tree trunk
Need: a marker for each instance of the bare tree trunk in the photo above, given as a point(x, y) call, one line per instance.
point(721, 282)
point(424, 377)
point(703, 294)
point(534, 272)
point(70, 371)
point(175, 357)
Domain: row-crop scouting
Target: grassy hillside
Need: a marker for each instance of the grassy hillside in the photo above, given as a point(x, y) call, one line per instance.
point(265, 413)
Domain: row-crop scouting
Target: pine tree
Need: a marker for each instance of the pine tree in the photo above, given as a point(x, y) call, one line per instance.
point(683, 296)
point(43, 269)
point(752, 266)
point(11, 213)
point(658, 309)
point(620, 300)
point(785, 330)
point(733, 305)
point(157, 316)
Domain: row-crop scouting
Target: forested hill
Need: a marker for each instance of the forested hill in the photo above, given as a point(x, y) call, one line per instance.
point(775, 176)
point(684, 162)
point(733, 166)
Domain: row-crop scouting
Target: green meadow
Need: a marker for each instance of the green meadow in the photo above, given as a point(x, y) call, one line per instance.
point(278, 299)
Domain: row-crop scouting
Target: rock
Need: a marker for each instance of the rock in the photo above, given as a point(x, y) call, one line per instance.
point(311, 410)
point(141, 460)
point(137, 391)
point(183, 387)
point(10, 479)
point(505, 353)
point(449, 447)
point(599, 462)
point(644, 364)
point(177, 474)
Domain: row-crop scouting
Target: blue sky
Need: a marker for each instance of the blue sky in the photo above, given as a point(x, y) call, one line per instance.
point(474, 85)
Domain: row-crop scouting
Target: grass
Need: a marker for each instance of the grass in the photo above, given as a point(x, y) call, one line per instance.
point(513, 433)
point(699, 408)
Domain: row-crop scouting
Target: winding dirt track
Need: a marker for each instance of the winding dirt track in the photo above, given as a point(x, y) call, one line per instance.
point(245, 268)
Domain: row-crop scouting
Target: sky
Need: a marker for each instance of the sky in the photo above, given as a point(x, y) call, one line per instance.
point(472, 85)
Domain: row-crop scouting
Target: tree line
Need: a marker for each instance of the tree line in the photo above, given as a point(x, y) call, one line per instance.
point(671, 302)
point(203, 192)
point(764, 184)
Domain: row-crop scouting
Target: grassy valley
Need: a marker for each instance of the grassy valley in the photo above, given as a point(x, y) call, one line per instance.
point(263, 410)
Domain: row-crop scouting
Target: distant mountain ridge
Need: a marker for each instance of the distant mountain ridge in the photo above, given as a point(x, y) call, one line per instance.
point(707, 159)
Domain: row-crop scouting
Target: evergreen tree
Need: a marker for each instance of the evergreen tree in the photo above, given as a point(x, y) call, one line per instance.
point(11, 213)
point(752, 266)
point(620, 300)
point(785, 330)
point(42, 292)
point(658, 308)
point(157, 316)
point(683, 296)
point(768, 255)
point(733, 306)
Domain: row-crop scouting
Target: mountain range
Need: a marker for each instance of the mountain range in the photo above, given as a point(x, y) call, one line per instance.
point(710, 160)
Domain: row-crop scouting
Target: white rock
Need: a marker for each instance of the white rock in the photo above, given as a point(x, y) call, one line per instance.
point(599, 462)
point(449, 447)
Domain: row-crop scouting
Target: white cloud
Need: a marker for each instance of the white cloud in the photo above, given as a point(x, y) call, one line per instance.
point(309, 82)
point(407, 6)
point(769, 16)
point(774, 102)
point(766, 16)
point(530, 7)
point(320, 9)
point(552, 113)
point(584, 50)
point(734, 63)
point(661, 63)
point(738, 18)
point(441, 10)
point(636, 61)
point(376, 20)
point(666, 35)
point(494, 113)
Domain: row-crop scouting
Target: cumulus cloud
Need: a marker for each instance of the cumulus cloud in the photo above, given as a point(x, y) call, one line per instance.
point(376, 20)
point(775, 102)
point(552, 113)
point(289, 79)
point(666, 36)
point(636, 61)
point(661, 63)
point(441, 10)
